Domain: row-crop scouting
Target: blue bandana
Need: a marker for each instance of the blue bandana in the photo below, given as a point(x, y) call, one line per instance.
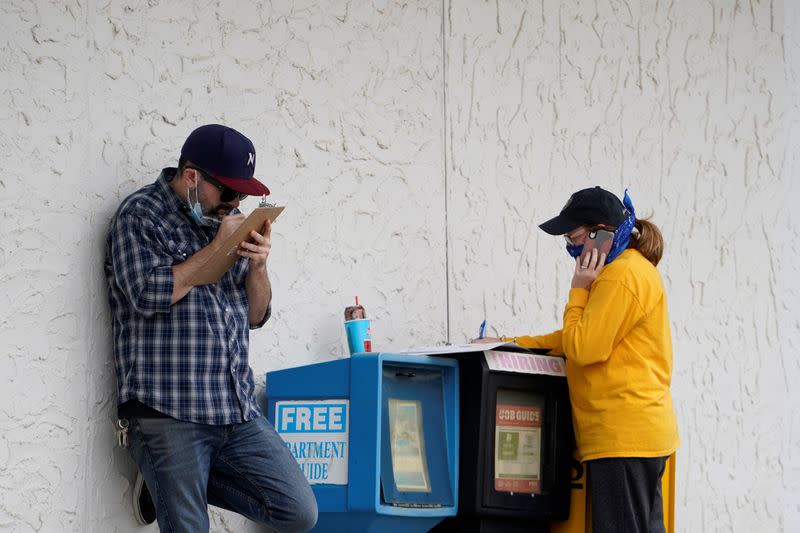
point(621, 237)
point(623, 234)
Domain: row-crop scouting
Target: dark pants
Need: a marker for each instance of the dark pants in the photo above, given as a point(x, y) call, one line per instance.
point(626, 494)
point(245, 468)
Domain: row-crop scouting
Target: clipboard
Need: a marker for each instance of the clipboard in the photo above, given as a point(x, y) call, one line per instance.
point(224, 258)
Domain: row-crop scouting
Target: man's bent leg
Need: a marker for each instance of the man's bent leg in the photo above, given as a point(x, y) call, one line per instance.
point(255, 475)
point(175, 459)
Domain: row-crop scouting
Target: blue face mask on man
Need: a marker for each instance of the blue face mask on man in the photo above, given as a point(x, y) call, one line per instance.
point(196, 210)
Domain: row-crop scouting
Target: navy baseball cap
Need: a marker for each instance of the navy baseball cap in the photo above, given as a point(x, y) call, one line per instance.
point(587, 207)
point(227, 155)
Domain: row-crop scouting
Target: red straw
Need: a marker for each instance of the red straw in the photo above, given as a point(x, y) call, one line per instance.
point(356, 300)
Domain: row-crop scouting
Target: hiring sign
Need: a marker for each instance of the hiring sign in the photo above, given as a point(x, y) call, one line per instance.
point(317, 433)
point(525, 363)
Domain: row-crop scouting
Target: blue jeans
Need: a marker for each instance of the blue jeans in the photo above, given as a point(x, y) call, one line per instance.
point(245, 468)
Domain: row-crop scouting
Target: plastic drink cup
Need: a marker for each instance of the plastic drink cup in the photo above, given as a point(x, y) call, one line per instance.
point(354, 312)
point(357, 331)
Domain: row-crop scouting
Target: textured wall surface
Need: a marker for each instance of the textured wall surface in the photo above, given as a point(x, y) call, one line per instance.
point(787, 270)
point(417, 144)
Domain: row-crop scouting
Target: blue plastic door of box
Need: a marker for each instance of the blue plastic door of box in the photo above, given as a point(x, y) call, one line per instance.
point(415, 391)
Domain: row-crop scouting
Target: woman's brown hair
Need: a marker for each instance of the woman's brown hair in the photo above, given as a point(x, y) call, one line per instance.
point(650, 243)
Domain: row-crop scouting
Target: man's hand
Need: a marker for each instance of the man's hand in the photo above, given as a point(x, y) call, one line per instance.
point(587, 268)
point(257, 251)
point(259, 290)
point(227, 226)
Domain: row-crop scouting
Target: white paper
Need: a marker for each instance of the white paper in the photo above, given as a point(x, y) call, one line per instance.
point(457, 348)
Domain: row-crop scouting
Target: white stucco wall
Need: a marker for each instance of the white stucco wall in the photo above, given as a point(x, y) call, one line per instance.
point(416, 144)
point(789, 274)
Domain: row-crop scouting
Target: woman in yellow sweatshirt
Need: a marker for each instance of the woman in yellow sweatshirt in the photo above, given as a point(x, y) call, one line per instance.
point(618, 348)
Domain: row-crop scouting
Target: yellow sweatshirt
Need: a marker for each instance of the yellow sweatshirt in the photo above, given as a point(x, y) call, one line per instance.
point(617, 342)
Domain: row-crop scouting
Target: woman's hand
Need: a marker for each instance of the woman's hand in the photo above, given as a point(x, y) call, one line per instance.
point(485, 339)
point(587, 268)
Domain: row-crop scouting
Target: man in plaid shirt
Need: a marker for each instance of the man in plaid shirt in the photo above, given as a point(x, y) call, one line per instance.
point(184, 382)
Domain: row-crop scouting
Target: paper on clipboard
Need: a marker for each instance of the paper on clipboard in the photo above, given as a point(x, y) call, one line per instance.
point(224, 258)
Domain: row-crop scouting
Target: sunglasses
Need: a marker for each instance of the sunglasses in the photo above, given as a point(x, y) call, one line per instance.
point(576, 238)
point(226, 194)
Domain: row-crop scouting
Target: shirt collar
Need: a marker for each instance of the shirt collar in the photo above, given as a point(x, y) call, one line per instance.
point(172, 200)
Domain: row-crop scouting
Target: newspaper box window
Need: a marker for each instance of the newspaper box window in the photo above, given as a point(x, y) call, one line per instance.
point(518, 442)
point(414, 464)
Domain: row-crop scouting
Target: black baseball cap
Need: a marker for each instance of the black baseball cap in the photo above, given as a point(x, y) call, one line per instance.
point(587, 207)
point(227, 155)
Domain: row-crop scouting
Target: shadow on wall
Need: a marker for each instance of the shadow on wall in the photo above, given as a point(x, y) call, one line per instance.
point(110, 471)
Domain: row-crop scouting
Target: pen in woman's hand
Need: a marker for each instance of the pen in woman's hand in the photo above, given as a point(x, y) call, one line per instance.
point(482, 330)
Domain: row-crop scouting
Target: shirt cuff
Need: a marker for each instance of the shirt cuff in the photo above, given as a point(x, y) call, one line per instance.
point(156, 295)
point(266, 317)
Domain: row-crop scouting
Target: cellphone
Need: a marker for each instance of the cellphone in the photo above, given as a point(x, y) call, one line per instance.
point(598, 239)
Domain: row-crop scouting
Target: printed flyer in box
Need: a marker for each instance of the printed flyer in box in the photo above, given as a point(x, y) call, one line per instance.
point(408, 446)
point(518, 449)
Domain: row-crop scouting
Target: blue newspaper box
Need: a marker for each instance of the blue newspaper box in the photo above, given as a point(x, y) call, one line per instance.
point(377, 437)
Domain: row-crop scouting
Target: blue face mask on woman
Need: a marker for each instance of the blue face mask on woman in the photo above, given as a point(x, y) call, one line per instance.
point(575, 251)
point(622, 235)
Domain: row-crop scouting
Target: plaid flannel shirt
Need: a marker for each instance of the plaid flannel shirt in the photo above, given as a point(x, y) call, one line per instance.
point(188, 360)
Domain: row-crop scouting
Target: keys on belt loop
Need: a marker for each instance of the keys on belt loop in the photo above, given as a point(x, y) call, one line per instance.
point(122, 425)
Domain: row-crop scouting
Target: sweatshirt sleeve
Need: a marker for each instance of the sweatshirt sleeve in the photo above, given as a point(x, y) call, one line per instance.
point(550, 340)
point(594, 323)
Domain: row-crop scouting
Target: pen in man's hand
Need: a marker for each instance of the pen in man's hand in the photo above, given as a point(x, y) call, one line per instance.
point(482, 330)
